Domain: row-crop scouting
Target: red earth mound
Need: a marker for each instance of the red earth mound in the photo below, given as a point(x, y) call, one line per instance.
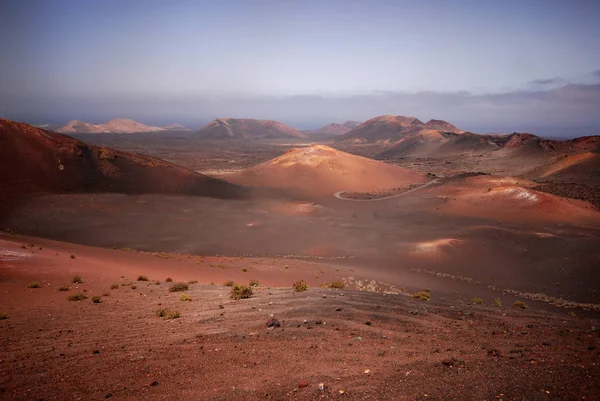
point(323, 170)
point(507, 198)
point(35, 161)
point(247, 128)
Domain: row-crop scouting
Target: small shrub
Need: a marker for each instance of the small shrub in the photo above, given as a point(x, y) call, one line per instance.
point(476, 301)
point(168, 314)
point(96, 299)
point(177, 287)
point(106, 294)
point(240, 292)
point(300, 286)
point(338, 285)
point(520, 305)
point(193, 282)
point(245, 270)
point(496, 302)
point(72, 256)
point(422, 295)
point(77, 297)
point(157, 282)
point(3, 316)
point(254, 283)
point(114, 287)
point(228, 283)
point(63, 288)
point(77, 280)
point(133, 286)
point(142, 278)
point(169, 280)
point(34, 284)
point(185, 297)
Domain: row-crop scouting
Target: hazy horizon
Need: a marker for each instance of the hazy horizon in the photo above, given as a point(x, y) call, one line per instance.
point(528, 66)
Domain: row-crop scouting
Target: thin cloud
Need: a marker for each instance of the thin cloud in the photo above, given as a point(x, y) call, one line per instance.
point(548, 82)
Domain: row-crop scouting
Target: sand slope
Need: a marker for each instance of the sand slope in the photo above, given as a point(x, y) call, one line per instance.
point(33, 160)
point(323, 170)
point(507, 198)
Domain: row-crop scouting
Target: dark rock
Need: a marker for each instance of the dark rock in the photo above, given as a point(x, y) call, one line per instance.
point(272, 322)
point(449, 362)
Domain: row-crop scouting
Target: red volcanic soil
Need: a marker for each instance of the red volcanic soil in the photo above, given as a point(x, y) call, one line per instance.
point(577, 168)
point(322, 343)
point(247, 128)
point(506, 198)
point(35, 161)
point(119, 125)
point(321, 170)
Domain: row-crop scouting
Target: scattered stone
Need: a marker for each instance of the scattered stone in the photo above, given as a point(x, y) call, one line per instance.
point(321, 386)
point(449, 362)
point(272, 322)
point(338, 309)
point(341, 392)
point(302, 384)
point(368, 323)
point(413, 312)
point(154, 383)
point(221, 307)
point(367, 371)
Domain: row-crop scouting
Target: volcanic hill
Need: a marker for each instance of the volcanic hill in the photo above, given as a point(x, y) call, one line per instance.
point(116, 126)
point(34, 161)
point(321, 170)
point(247, 128)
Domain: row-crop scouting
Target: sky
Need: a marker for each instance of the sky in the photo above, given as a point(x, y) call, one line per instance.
point(486, 66)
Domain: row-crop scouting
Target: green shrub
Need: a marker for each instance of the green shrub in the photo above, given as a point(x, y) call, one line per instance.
point(77, 280)
point(520, 305)
point(169, 280)
point(96, 299)
point(114, 287)
point(240, 292)
point(3, 316)
point(177, 287)
point(254, 283)
point(133, 286)
point(168, 314)
point(185, 297)
point(72, 256)
point(193, 282)
point(245, 270)
point(34, 284)
point(422, 295)
point(300, 286)
point(477, 301)
point(63, 288)
point(496, 302)
point(228, 283)
point(142, 278)
point(77, 297)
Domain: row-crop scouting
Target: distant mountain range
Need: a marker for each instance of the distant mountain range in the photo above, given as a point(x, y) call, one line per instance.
point(116, 126)
point(247, 128)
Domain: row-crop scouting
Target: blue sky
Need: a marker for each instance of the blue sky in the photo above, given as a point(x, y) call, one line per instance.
point(485, 65)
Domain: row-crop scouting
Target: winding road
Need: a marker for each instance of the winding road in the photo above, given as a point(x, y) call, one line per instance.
point(339, 193)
